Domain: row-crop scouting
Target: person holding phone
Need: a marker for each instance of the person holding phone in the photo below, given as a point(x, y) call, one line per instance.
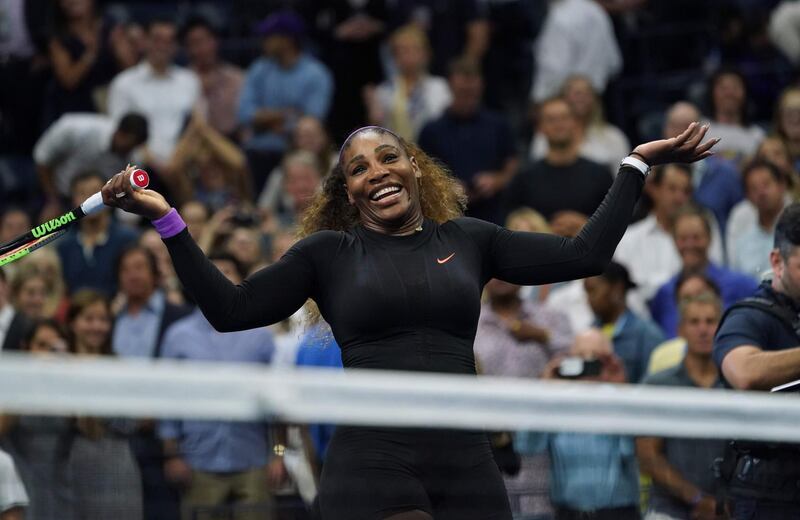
point(591, 475)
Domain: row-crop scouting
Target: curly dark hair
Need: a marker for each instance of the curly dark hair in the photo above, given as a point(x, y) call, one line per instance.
point(442, 197)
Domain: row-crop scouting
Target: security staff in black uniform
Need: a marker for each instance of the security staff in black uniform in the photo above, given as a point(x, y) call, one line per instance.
point(757, 347)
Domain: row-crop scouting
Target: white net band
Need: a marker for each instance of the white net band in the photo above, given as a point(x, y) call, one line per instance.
point(176, 389)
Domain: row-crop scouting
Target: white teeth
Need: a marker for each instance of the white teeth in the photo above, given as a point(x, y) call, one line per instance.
point(385, 191)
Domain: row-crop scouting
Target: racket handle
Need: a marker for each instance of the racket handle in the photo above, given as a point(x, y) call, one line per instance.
point(139, 180)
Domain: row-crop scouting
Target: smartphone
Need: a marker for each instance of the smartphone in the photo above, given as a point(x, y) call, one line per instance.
point(577, 368)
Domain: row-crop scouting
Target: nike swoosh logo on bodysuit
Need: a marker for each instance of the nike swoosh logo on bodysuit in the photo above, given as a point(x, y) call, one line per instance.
point(443, 260)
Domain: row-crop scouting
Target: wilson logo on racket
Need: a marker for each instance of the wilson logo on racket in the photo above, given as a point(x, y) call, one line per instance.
point(52, 225)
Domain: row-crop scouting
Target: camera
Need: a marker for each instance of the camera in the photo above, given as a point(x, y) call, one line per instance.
point(578, 368)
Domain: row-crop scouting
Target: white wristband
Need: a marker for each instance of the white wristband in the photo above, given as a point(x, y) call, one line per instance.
point(636, 163)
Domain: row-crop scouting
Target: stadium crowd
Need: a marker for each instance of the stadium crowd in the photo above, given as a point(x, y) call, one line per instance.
point(237, 110)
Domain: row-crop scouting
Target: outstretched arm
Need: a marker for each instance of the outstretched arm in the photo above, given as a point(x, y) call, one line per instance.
point(268, 296)
point(535, 258)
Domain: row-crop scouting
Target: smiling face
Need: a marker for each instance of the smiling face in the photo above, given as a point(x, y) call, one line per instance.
point(91, 328)
point(381, 181)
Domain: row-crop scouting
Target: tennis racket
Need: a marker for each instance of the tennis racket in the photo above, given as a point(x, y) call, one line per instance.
point(48, 231)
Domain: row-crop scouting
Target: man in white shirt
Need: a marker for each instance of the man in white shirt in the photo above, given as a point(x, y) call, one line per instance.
point(164, 93)
point(648, 249)
point(749, 246)
point(80, 142)
point(577, 38)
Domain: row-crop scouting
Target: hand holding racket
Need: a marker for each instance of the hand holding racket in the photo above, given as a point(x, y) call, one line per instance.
point(120, 192)
point(135, 179)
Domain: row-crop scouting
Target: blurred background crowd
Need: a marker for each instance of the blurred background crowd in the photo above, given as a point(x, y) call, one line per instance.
point(237, 108)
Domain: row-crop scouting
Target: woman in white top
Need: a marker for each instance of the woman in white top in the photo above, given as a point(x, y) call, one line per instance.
point(601, 141)
point(411, 97)
point(727, 92)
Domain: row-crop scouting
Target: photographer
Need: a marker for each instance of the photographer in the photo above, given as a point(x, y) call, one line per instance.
point(592, 476)
point(756, 348)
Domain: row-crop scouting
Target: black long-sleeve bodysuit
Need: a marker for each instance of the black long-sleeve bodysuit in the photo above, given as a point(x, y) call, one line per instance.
point(406, 303)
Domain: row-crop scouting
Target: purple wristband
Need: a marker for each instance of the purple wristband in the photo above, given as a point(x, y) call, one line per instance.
point(170, 224)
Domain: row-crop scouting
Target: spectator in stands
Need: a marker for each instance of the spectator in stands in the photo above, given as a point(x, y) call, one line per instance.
point(311, 136)
point(455, 28)
point(787, 122)
point(13, 498)
point(138, 333)
point(715, 181)
point(13, 323)
point(151, 240)
point(692, 234)
point(682, 469)
point(221, 82)
point(774, 150)
point(475, 142)
point(283, 85)
point(81, 142)
point(318, 348)
point(632, 337)
point(244, 244)
point(648, 249)
point(105, 479)
point(14, 221)
point(599, 140)
point(766, 188)
point(208, 167)
point(86, 52)
point(548, 184)
point(162, 92)
point(48, 264)
point(518, 338)
point(727, 93)
point(196, 216)
point(577, 38)
point(141, 323)
point(784, 29)
point(88, 251)
point(40, 445)
point(28, 292)
point(349, 36)
point(411, 97)
point(218, 463)
point(302, 179)
point(591, 476)
point(671, 352)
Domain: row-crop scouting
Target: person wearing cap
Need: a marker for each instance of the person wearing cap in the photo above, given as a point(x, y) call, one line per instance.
point(633, 337)
point(282, 86)
point(692, 234)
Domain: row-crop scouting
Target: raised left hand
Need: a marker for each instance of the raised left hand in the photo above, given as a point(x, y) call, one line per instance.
point(684, 148)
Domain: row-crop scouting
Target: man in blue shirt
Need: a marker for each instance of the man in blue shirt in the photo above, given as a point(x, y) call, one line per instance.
point(280, 87)
point(632, 337)
point(692, 234)
point(89, 250)
point(138, 332)
point(592, 476)
point(758, 349)
point(218, 463)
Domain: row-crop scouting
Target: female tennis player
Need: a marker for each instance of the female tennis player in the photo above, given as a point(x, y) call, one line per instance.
point(398, 272)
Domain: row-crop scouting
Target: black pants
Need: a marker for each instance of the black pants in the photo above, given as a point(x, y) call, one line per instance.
point(753, 509)
point(611, 513)
point(373, 473)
